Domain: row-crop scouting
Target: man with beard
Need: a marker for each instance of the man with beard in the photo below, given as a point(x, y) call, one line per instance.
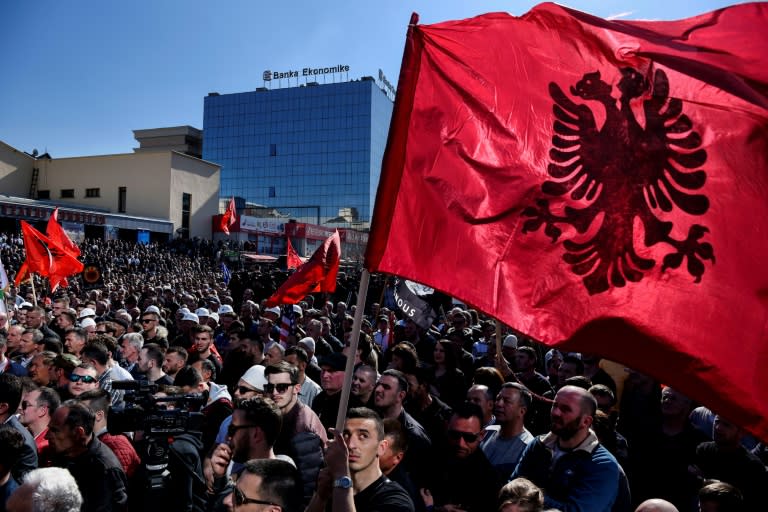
point(256, 423)
point(302, 436)
point(243, 353)
point(575, 470)
point(463, 479)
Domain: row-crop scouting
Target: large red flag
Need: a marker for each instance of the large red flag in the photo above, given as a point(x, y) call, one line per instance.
point(39, 259)
point(292, 258)
point(229, 217)
point(47, 258)
point(600, 182)
point(316, 275)
point(56, 233)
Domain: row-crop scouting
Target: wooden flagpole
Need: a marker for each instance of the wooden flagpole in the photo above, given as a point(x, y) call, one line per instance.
point(354, 338)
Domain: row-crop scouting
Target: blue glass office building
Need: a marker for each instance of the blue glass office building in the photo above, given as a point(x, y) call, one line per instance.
point(312, 152)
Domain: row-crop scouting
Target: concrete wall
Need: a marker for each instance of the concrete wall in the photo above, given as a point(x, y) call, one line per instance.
point(15, 171)
point(201, 179)
point(146, 176)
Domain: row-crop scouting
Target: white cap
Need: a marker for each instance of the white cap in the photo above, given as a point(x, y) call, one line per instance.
point(510, 341)
point(275, 310)
point(202, 312)
point(297, 309)
point(215, 316)
point(190, 316)
point(153, 309)
point(87, 322)
point(309, 342)
point(254, 376)
point(225, 308)
point(86, 312)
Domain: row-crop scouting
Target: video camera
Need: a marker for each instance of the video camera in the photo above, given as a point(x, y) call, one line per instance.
point(161, 422)
point(155, 415)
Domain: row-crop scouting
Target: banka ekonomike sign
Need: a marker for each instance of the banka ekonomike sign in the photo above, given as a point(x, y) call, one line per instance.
point(304, 72)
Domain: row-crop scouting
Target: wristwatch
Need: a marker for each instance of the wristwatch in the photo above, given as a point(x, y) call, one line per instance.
point(343, 483)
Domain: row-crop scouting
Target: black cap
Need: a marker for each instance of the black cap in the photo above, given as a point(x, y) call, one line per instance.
point(335, 360)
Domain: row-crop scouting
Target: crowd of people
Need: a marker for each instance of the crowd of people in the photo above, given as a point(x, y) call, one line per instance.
point(162, 386)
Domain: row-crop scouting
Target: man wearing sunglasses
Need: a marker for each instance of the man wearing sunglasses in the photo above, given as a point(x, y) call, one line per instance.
point(83, 378)
point(266, 485)
point(252, 433)
point(463, 477)
point(302, 436)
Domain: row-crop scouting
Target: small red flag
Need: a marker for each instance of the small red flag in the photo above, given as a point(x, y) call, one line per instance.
point(292, 258)
point(575, 178)
point(229, 218)
point(316, 275)
point(57, 235)
point(22, 275)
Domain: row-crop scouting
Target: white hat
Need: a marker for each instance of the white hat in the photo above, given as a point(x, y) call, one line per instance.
point(215, 316)
point(309, 342)
point(87, 322)
point(25, 305)
point(190, 316)
point(86, 312)
point(297, 309)
point(202, 312)
point(254, 376)
point(275, 310)
point(510, 341)
point(225, 308)
point(153, 309)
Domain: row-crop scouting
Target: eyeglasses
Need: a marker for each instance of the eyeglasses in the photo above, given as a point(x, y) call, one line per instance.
point(281, 388)
point(232, 429)
point(147, 320)
point(469, 437)
point(242, 499)
point(243, 389)
point(85, 378)
point(25, 404)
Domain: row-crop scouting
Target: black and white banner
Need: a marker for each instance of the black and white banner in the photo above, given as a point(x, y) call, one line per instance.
point(413, 299)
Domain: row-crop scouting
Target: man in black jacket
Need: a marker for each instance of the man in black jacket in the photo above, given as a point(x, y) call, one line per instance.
point(10, 398)
point(96, 470)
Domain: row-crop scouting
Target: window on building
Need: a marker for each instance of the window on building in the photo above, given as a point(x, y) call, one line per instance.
point(272, 192)
point(92, 192)
point(273, 150)
point(122, 192)
point(43, 194)
point(68, 193)
point(186, 207)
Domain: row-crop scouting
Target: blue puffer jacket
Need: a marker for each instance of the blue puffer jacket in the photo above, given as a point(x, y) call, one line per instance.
point(585, 479)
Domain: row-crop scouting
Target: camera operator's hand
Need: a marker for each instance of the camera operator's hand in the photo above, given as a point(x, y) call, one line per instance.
point(208, 474)
point(220, 460)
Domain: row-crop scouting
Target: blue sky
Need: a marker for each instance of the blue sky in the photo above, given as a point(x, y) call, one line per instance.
point(79, 76)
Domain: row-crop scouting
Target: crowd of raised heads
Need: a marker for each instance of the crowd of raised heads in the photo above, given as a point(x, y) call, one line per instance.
point(162, 387)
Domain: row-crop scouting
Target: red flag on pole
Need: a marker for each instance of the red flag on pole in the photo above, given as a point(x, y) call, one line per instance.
point(39, 259)
point(575, 178)
point(57, 235)
point(316, 275)
point(229, 218)
point(292, 258)
point(47, 258)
